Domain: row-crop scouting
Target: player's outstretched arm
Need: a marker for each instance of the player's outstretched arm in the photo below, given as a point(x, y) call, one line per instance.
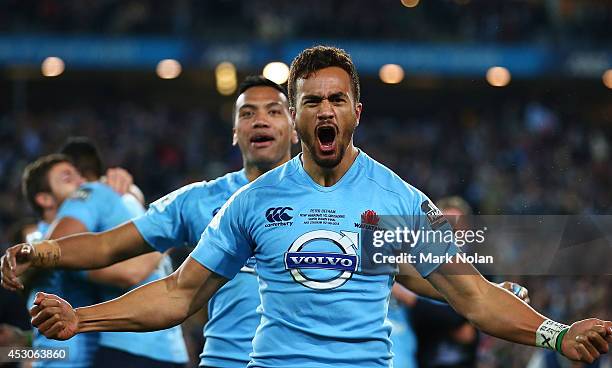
point(155, 306)
point(496, 312)
point(413, 281)
point(80, 251)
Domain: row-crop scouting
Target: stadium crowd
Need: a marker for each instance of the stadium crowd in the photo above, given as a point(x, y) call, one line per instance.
point(554, 21)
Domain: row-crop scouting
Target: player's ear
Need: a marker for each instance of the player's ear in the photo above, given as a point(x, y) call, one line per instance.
point(358, 109)
point(234, 137)
point(294, 136)
point(44, 200)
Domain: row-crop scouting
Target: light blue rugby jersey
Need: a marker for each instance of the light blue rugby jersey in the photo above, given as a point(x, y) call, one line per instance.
point(402, 335)
point(313, 314)
point(99, 208)
point(178, 219)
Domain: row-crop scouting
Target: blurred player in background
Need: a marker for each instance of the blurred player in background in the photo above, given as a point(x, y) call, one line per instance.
point(318, 322)
point(46, 184)
point(152, 349)
point(74, 206)
point(87, 159)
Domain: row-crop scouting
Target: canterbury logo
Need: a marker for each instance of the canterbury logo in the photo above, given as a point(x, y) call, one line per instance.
point(278, 214)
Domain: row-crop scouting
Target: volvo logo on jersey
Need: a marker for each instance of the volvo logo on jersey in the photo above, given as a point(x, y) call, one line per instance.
point(328, 261)
point(323, 259)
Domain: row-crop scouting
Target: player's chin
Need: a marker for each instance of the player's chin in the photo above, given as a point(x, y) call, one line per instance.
point(328, 160)
point(265, 157)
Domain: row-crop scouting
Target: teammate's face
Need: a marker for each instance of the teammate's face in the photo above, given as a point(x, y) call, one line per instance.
point(262, 127)
point(326, 115)
point(64, 179)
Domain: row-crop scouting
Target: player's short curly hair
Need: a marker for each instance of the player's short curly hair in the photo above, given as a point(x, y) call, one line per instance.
point(317, 58)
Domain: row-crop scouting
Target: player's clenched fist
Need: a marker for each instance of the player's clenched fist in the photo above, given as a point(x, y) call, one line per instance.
point(586, 340)
point(54, 317)
point(15, 261)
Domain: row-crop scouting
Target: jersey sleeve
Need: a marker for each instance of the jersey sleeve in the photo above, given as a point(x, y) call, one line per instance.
point(427, 218)
point(162, 226)
point(225, 245)
point(81, 209)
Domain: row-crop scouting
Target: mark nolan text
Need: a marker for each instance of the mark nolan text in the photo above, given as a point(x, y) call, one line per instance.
point(431, 258)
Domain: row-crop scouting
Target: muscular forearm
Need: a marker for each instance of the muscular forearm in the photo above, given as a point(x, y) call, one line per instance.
point(76, 251)
point(90, 251)
point(154, 306)
point(131, 312)
point(489, 307)
point(499, 313)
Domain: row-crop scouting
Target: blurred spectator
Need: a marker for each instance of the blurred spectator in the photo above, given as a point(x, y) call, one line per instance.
point(552, 21)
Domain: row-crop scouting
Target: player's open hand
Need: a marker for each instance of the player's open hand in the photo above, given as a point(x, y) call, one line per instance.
point(15, 261)
point(519, 291)
point(586, 340)
point(119, 179)
point(54, 317)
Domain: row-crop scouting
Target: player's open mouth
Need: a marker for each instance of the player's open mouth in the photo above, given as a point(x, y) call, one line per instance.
point(261, 140)
point(326, 134)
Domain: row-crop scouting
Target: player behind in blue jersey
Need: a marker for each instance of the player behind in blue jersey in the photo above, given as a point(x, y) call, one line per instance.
point(319, 307)
point(263, 131)
point(53, 186)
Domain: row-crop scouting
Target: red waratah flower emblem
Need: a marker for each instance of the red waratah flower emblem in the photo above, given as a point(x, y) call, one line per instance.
point(369, 217)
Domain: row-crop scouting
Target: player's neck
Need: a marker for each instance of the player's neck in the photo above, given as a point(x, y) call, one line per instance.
point(328, 176)
point(253, 171)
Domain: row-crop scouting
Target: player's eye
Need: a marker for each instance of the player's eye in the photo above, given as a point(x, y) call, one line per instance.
point(337, 100)
point(275, 112)
point(245, 114)
point(311, 103)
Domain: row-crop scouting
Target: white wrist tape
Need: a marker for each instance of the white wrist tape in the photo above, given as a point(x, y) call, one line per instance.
point(548, 333)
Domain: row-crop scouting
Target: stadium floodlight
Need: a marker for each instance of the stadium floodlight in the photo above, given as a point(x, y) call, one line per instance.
point(168, 69)
point(498, 76)
point(607, 78)
point(391, 73)
point(52, 66)
point(410, 3)
point(227, 81)
point(277, 72)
